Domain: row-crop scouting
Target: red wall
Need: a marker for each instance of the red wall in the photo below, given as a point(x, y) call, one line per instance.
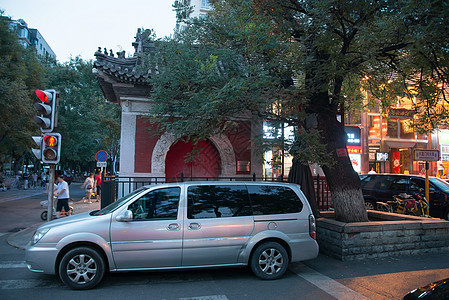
point(240, 139)
point(145, 142)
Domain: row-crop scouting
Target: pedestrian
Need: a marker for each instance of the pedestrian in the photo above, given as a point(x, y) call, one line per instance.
point(372, 171)
point(63, 195)
point(88, 185)
point(34, 176)
point(25, 180)
point(43, 181)
point(98, 186)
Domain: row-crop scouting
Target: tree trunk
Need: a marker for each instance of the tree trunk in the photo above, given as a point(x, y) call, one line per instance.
point(343, 181)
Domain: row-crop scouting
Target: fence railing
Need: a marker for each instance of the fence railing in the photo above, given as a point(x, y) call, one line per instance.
point(114, 188)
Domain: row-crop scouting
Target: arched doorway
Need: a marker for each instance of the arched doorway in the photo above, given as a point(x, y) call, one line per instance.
point(201, 160)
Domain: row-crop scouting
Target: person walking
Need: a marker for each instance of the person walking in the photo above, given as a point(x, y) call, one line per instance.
point(88, 185)
point(98, 186)
point(34, 176)
point(63, 195)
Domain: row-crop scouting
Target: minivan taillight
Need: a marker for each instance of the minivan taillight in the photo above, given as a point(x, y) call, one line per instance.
point(312, 227)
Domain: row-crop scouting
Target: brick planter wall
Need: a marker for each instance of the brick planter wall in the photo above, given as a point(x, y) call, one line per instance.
point(392, 235)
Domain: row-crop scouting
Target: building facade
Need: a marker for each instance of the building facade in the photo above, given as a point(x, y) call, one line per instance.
point(147, 152)
point(31, 37)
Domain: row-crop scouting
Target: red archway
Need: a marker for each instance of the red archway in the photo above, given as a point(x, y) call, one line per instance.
point(201, 160)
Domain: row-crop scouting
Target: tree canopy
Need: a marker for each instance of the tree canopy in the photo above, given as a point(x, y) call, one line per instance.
point(86, 120)
point(20, 74)
point(302, 61)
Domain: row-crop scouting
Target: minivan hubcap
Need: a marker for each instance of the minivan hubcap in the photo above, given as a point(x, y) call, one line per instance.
point(270, 261)
point(81, 268)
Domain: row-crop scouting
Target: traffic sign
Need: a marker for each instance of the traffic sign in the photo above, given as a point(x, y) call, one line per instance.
point(101, 156)
point(427, 155)
point(101, 164)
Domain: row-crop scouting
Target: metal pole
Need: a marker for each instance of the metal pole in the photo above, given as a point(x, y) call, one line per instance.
point(427, 182)
point(51, 190)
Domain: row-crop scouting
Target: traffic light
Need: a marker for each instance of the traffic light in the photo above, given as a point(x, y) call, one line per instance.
point(37, 152)
point(51, 148)
point(47, 110)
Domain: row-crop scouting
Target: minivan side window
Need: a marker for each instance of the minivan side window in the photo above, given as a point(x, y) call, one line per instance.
point(161, 204)
point(270, 200)
point(217, 201)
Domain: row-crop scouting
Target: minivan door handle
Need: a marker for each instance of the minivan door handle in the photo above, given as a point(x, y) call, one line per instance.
point(194, 226)
point(173, 227)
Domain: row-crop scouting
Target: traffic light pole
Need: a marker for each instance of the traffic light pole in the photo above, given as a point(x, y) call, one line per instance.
point(51, 191)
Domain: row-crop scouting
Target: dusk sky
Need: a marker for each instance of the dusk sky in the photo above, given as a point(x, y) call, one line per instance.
point(73, 28)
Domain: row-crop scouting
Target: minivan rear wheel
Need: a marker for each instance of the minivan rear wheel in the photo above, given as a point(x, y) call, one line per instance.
point(269, 261)
point(82, 268)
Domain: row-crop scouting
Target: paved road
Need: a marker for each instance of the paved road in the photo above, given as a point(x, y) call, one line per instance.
point(20, 209)
point(321, 278)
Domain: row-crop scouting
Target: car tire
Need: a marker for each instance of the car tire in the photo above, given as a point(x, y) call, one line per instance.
point(44, 215)
point(369, 205)
point(269, 261)
point(82, 268)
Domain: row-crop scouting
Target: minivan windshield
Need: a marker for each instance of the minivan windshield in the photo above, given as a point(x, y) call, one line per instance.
point(111, 207)
point(440, 184)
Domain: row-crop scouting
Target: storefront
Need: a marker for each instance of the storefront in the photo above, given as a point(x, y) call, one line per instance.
point(392, 140)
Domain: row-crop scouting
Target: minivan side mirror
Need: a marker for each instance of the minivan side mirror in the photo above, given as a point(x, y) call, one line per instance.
point(124, 216)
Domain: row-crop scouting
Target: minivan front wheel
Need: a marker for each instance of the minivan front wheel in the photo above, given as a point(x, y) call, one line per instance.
point(269, 261)
point(82, 268)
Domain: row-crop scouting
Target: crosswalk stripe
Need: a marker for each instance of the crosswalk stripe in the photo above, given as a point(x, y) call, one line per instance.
point(19, 197)
point(327, 284)
point(12, 264)
point(213, 297)
point(26, 284)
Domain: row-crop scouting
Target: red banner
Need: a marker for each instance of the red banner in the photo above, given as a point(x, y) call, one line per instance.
point(396, 160)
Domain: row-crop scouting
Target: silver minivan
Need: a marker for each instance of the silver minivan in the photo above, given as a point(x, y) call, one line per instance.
point(180, 226)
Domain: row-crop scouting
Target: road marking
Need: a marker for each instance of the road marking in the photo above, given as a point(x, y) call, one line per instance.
point(328, 285)
point(20, 197)
point(12, 264)
point(26, 284)
point(213, 297)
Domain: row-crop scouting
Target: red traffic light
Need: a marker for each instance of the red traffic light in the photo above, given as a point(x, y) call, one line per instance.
point(44, 96)
point(50, 141)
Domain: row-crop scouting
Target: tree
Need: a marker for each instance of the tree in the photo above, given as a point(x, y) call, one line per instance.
point(245, 55)
point(87, 122)
point(20, 74)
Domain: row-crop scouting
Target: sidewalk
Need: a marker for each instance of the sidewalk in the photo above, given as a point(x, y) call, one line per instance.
point(20, 239)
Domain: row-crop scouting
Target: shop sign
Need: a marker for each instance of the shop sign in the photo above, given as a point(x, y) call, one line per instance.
point(354, 150)
point(356, 162)
point(401, 112)
point(354, 135)
point(426, 155)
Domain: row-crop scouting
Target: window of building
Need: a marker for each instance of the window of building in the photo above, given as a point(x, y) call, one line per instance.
point(205, 4)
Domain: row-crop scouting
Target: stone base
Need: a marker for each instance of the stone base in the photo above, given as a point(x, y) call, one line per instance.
point(389, 235)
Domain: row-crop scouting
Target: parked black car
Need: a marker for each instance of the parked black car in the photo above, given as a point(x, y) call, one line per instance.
point(382, 187)
point(433, 291)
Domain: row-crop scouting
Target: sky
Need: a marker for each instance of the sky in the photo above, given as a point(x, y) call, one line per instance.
point(79, 27)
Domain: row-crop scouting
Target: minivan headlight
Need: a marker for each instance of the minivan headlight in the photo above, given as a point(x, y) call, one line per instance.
point(38, 235)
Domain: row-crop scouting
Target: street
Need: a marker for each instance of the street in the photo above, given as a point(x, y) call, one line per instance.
point(321, 278)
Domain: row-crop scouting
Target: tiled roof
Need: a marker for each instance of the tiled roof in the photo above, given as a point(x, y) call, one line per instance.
point(120, 68)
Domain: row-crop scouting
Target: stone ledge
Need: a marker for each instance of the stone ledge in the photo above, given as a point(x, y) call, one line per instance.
point(391, 235)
